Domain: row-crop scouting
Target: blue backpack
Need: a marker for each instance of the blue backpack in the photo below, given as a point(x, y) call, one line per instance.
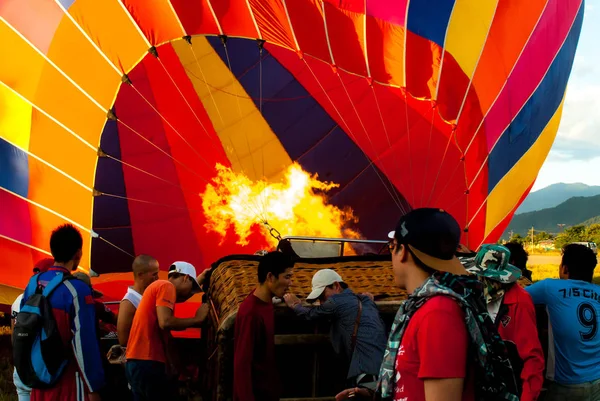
point(40, 356)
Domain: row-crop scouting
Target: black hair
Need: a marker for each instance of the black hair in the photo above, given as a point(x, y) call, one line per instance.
point(429, 270)
point(580, 262)
point(518, 255)
point(65, 242)
point(274, 263)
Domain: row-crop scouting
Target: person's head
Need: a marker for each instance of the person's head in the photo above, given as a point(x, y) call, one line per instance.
point(578, 263)
point(43, 265)
point(275, 272)
point(87, 280)
point(325, 283)
point(425, 241)
point(65, 245)
point(518, 255)
point(184, 278)
point(492, 263)
point(145, 270)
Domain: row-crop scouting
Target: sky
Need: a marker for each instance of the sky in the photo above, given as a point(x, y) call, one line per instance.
point(575, 155)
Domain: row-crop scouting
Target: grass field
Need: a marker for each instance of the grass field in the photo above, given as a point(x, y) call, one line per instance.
point(540, 272)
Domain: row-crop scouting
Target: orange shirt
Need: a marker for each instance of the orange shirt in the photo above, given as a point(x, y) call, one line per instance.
point(147, 341)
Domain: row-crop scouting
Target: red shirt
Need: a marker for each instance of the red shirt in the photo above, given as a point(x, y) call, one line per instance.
point(255, 368)
point(434, 346)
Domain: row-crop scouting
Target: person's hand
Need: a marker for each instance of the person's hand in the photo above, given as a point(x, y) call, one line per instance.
point(368, 294)
point(94, 397)
point(202, 313)
point(291, 300)
point(202, 277)
point(353, 393)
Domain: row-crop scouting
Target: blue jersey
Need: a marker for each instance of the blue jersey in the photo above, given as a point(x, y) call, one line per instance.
point(574, 310)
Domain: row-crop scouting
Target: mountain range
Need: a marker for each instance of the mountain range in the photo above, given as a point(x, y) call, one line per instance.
point(557, 207)
point(574, 211)
point(556, 194)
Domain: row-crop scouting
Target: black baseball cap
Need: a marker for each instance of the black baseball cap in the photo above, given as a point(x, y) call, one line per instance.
point(433, 236)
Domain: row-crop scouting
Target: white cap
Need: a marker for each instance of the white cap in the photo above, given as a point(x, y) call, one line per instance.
point(188, 269)
point(322, 279)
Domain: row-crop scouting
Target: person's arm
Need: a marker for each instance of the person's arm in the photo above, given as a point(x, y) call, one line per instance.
point(168, 321)
point(325, 310)
point(85, 342)
point(530, 350)
point(247, 331)
point(124, 321)
point(538, 292)
point(443, 336)
point(165, 303)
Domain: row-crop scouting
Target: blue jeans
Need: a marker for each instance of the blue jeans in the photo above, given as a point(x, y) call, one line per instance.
point(23, 392)
point(149, 380)
point(589, 391)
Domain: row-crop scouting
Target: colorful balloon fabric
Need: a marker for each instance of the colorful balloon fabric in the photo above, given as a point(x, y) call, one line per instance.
point(114, 114)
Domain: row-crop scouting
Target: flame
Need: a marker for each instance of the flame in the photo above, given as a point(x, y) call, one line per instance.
point(292, 207)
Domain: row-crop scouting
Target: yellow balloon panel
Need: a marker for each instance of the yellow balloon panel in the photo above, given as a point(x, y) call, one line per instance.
point(15, 118)
point(248, 140)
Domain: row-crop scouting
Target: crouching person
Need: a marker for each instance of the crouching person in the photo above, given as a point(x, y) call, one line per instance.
point(357, 331)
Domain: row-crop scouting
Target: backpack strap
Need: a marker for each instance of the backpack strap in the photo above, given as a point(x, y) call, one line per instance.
point(55, 282)
point(33, 284)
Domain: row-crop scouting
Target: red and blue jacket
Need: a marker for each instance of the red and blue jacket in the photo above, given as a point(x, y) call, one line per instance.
point(74, 311)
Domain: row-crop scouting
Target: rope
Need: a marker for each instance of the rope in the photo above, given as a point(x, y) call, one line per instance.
point(427, 157)
point(162, 150)
point(348, 127)
point(392, 192)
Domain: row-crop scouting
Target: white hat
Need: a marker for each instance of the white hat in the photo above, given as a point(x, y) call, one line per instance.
point(188, 269)
point(322, 279)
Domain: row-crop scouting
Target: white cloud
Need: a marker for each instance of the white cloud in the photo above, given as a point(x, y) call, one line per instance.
point(569, 171)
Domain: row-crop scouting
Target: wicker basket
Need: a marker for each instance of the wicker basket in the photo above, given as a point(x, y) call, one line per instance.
point(233, 279)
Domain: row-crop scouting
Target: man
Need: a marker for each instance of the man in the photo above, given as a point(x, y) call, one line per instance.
point(519, 258)
point(357, 330)
point(73, 309)
point(512, 310)
point(105, 318)
point(255, 373)
point(427, 357)
point(24, 392)
point(145, 272)
point(573, 309)
point(147, 355)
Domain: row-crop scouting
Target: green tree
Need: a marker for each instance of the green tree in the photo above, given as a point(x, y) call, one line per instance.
point(542, 236)
point(593, 233)
point(571, 234)
point(518, 238)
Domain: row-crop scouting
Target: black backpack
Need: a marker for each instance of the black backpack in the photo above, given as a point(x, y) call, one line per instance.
point(40, 356)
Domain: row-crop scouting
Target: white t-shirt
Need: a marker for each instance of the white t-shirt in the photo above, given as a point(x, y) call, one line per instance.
point(494, 307)
point(16, 306)
point(133, 296)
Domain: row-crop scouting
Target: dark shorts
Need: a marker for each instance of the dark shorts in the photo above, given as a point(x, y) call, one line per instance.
point(149, 381)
